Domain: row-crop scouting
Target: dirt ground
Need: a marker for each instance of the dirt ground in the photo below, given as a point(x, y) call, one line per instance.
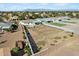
point(8, 39)
point(46, 37)
point(67, 46)
point(74, 28)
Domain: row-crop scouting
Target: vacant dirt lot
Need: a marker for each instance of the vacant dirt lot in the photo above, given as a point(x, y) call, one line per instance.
point(46, 37)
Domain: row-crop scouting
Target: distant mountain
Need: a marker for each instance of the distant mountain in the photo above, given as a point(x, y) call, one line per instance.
point(38, 10)
point(30, 10)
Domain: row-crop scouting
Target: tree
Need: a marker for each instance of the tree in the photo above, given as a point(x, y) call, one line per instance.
point(15, 51)
point(1, 20)
point(14, 27)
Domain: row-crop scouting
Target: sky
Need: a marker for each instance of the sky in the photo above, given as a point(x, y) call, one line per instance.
point(24, 6)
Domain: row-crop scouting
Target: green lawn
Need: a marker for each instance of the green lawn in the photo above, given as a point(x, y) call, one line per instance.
point(69, 22)
point(57, 24)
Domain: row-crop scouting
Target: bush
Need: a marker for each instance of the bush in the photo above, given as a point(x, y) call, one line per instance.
point(39, 48)
point(72, 34)
point(52, 44)
point(57, 38)
point(14, 27)
point(65, 37)
point(8, 30)
point(27, 50)
point(68, 19)
point(49, 21)
point(24, 35)
point(60, 20)
point(15, 51)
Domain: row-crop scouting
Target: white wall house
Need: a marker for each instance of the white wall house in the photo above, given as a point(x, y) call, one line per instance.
point(4, 25)
point(28, 23)
point(64, 17)
point(45, 19)
point(32, 23)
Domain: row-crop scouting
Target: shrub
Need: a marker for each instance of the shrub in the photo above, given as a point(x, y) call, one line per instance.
point(68, 19)
point(49, 21)
point(8, 30)
point(24, 35)
point(27, 50)
point(52, 44)
point(65, 37)
point(14, 27)
point(72, 34)
point(15, 51)
point(39, 48)
point(57, 38)
point(60, 20)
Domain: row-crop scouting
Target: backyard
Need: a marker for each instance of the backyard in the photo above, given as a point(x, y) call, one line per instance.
point(46, 37)
point(8, 39)
point(57, 24)
point(70, 22)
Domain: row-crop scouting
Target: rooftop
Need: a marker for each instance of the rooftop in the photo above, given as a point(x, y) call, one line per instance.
point(5, 25)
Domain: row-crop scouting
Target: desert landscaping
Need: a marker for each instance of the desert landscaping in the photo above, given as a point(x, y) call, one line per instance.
point(46, 37)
